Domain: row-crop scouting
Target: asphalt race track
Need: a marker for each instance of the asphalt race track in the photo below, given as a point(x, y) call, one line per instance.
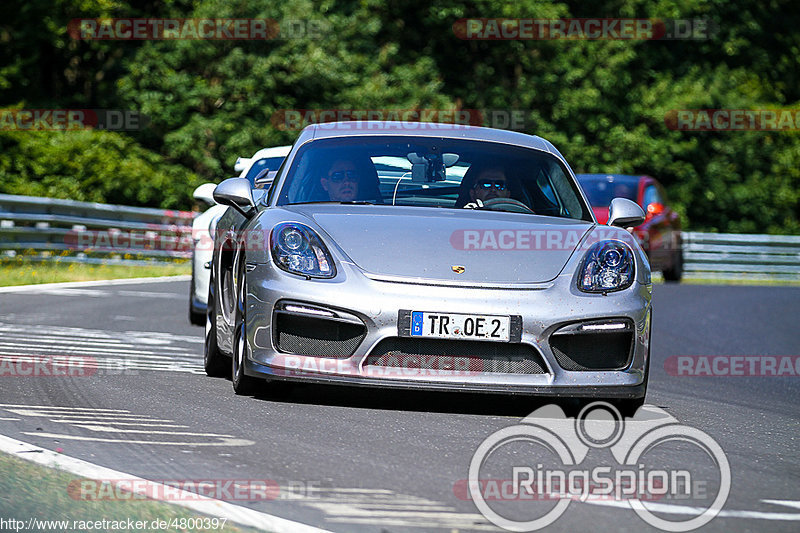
point(353, 459)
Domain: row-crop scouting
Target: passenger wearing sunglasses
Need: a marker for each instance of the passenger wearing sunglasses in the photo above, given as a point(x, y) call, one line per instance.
point(491, 183)
point(341, 181)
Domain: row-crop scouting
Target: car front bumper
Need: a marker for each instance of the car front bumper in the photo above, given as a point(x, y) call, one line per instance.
point(545, 309)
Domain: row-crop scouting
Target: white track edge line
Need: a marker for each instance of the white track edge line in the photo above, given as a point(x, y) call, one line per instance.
point(93, 283)
point(209, 506)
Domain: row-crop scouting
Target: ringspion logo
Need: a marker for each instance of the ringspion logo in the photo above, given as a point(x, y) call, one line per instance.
point(544, 457)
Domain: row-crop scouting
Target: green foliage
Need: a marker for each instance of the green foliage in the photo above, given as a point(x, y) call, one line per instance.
point(213, 101)
point(603, 103)
point(91, 166)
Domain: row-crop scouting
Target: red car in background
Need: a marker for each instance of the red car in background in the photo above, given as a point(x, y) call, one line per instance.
point(660, 234)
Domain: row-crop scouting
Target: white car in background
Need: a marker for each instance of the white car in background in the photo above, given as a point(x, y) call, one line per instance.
point(259, 169)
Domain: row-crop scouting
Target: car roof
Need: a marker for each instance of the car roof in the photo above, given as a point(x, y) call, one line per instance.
point(425, 129)
point(244, 164)
point(275, 151)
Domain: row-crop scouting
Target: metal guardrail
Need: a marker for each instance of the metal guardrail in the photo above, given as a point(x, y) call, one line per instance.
point(733, 256)
point(48, 229)
point(85, 232)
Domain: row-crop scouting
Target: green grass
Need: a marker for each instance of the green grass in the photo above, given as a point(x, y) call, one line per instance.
point(16, 272)
point(28, 490)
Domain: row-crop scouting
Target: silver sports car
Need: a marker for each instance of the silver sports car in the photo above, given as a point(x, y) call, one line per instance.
point(428, 256)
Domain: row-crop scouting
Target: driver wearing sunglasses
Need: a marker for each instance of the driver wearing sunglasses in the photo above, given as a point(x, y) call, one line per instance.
point(341, 181)
point(491, 183)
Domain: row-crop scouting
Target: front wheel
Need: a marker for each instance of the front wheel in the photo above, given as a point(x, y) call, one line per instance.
point(242, 383)
point(628, 407)
point(216, 363)
point(195, 318)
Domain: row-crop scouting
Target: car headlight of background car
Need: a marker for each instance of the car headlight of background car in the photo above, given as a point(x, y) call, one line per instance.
point(297, 249)
point(607, 266)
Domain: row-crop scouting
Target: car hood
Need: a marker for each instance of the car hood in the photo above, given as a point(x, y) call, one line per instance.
point(450, 245)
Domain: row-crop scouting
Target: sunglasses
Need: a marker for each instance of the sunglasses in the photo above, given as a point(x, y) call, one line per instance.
point(500, 185)
point(338, 177)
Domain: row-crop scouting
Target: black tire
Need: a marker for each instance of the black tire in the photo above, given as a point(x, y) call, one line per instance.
point(215, 362)
point(628, 407)
point(675, 272)
point(242, 383)
point(195, 318)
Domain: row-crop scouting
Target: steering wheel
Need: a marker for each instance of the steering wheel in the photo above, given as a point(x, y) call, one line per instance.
point(507, 204)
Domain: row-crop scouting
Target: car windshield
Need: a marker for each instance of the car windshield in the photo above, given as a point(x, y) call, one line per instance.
point(267, 163)
point(601, 190)
point(432, 172)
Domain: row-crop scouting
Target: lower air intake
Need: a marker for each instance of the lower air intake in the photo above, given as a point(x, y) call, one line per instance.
point(593, 351)
point(463, 356)
point(316, 337)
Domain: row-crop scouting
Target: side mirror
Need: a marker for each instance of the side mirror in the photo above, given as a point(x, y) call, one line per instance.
point(654, 209)
point(236, 193)
point(625, 213)
point(205, 193)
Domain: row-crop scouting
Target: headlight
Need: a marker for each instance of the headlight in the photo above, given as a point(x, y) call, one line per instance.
point(608, 266)
point(297, 249)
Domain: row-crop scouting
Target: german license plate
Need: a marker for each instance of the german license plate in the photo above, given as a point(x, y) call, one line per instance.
point(460, 326)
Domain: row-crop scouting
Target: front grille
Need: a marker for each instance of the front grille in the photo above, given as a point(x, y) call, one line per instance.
point(470, 356)
point(316, 337)
point(593, 351)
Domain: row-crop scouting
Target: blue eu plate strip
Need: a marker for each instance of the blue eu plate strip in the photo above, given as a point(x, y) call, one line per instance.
point(416, 323)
